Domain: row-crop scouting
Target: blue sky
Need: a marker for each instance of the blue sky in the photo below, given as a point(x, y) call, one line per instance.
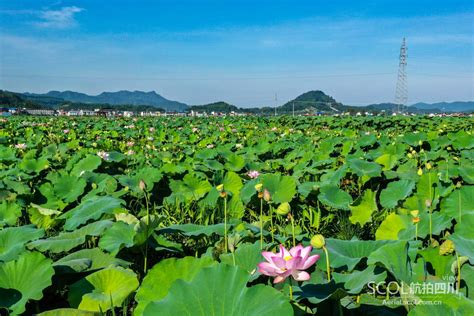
point(242, 52)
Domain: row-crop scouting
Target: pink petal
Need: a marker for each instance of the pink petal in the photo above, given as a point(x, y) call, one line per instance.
point(295, 251)
point(267, 269)
point(293, 263)
point(283, 252)
point(282, 277)
point(305, 252)
point(309, 262)
point(279, 262)
point(268, 255)
point(301, 275)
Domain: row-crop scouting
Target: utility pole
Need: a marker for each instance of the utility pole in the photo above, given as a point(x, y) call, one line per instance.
point(293, 108)
point(276, 100)
point(401, 92)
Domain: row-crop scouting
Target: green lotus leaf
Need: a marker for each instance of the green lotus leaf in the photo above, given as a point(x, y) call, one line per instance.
point(388, 161)
point(232, 183)
point(247, 256)
point(320, 292)
point(220, 290)
point(394, 256)
point(94, 258)
point(364, 168)
point(235, 207)
point(439, 222)
point(90, 209)
point(363, 208)
point(104, 289)
point(13, 239)
point(463, 236)
point(118, 235)
point(89, 163)
point(157, 282)
point(69, 188)
point(234, 162)
point(459, 202)
point(7, 154)
point(332, 196)
point(66, 241)
point(9, 213)
point(189, 189)
point(248, 190)
point(440, 264)
point(29, 274)
point(68, 312)
point(282, 188)
point(451, 304)
point(347, 253)
point(355, 281)
point(34, 165)
point(193, 230)
point(391, 226)
point(396, 191)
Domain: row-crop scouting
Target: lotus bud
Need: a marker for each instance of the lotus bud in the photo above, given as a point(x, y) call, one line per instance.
point(94, 185)
point(428, 166)
point(413, 152)
point(458, 185)
point(428, 203)
point(420, 172)
point(409, 155)
point(422, 150)
point(258, 187)
point(420, 143)
point(142, 185)
point(449, 148)
point(266, 195)
point(447, 247)
point(283, 209)
point(318, 241)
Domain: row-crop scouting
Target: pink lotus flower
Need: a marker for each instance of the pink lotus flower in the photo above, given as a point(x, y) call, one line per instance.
point(285, 263)
point(151, 129)
point(66, 131)
point(253, 174)
point(20, 146)
point(130, 144)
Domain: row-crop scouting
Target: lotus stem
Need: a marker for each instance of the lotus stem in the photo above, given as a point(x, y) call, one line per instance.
point(416, 231)
point(328, 269)
point(225, 224)
point(459, 205)
point(271, 223)
point(145, 261)
point(291, 289)
point(293, 230)
point(261, 224)
point(459, 272)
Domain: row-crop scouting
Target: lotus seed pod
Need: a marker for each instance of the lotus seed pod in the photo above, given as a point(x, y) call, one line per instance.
point(318, 241)
point(420, 143)
point(416, 220)
point(223, 194)
point(420, 172)
point(413, 152)
point(409, 155)
point(428, 166)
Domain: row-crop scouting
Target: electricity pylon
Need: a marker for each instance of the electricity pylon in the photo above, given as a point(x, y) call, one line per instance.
point(401, 92)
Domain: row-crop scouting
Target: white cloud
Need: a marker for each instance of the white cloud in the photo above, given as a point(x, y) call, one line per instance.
point(61, 18)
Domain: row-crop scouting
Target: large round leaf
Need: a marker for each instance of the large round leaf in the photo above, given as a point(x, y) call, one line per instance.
point(13, 239)
point(395, 192)
point(459, 202)
point(157, 282)
point(222, 291)
point(103, 289)
point(363, 208)
point(92, 208)
point(332, 196)
point(30, 274)
point(282, 188)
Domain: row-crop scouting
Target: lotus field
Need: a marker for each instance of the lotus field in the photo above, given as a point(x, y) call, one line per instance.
point(237, 216)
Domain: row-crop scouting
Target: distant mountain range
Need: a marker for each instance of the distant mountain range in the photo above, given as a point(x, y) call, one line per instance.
point(309, 102)
point(112, 98)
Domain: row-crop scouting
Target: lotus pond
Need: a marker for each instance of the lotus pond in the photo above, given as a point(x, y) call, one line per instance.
point(237, 216)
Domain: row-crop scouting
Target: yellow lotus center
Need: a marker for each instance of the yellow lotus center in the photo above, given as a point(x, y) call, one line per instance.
point(287, 258)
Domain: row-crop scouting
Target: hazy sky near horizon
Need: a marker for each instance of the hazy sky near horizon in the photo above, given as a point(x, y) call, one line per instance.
point(242, 52)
